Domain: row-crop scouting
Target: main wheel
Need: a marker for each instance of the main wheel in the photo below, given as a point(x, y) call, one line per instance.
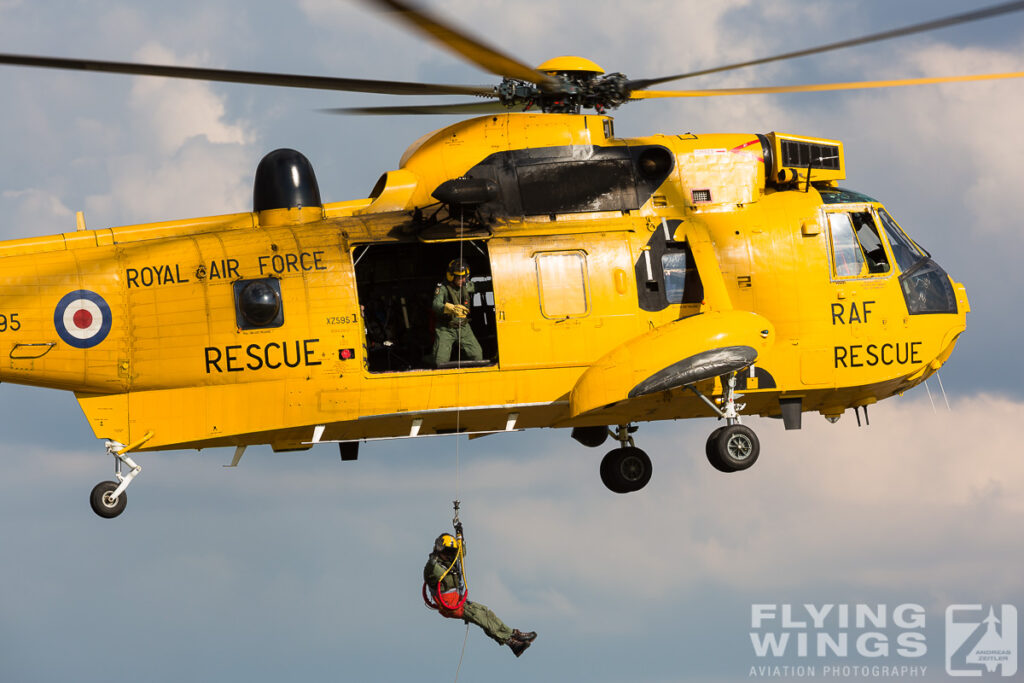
point(626, 469)
point(735, 448)
point(710, 450)
point(101, 502)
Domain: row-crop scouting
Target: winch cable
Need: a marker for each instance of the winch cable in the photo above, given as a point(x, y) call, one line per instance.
point(458, 372)
point(458, 430)
point(463, 653)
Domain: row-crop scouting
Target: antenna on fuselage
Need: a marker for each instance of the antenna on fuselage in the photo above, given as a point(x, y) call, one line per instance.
point(810, 162)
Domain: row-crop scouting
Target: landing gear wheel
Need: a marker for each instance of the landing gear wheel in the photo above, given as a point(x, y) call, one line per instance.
point(101, 502)
point(734, 448)
point(626, 469)
point(709, 451)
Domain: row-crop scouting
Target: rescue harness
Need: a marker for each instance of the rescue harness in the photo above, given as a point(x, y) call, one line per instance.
point(450, 603)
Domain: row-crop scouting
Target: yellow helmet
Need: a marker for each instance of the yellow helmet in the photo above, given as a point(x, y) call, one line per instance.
point(457, 268)
point(446, 543)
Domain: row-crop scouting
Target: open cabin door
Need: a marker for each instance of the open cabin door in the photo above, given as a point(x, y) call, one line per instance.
point(396, 283)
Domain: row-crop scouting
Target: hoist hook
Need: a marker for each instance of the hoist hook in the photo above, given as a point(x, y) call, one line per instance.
point(455, 520)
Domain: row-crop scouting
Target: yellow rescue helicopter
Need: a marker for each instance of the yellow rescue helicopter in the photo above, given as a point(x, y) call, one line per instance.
point(615, 281)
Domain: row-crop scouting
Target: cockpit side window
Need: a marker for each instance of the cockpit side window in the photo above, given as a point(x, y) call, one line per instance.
point(870, 242)
point(847, 258)
point(904, 251)
point(857, 248)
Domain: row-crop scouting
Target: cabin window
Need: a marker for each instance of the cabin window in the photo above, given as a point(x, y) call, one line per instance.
point(857, 249)
point(666, 274)
point(258, 303)
point(562, 279)
point(396, 284)
point(674, 264)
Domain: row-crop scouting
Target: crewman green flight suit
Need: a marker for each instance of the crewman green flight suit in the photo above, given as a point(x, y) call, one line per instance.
point(473, 612)
point(450, 329)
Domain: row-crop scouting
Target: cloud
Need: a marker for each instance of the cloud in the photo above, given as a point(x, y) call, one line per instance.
point(181, 156)
point(921, 501)
point(198, 179)
point(174, 110)
point(919, 507)
point(35, 206)
point(975, 125)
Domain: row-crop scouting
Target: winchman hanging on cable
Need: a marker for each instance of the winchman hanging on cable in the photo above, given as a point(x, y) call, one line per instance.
point(445, 590)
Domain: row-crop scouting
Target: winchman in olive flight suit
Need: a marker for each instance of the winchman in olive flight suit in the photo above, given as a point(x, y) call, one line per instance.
point(451, 307)
point(443, 578)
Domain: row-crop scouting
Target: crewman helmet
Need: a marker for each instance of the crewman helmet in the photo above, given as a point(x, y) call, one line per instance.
point(457, 268)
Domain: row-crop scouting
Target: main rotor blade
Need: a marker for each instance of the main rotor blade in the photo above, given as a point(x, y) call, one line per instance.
point(856, 85)
point(467, 46)
point(463, 108)
point(976, 15)
point(249, 77)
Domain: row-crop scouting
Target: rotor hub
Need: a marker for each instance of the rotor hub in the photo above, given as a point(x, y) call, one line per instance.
point(576, 90)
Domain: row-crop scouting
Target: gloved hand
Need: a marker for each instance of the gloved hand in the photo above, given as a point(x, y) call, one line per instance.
point(461, 311)
point(450, 309)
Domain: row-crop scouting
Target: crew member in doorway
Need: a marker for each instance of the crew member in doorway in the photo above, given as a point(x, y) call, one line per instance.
point(443, 578)
point(451, 307)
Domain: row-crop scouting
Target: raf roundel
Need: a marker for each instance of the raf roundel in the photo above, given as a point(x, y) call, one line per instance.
point(82, 319)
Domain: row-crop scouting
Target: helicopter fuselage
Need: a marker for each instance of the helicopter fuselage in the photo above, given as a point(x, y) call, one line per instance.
point(619, 280)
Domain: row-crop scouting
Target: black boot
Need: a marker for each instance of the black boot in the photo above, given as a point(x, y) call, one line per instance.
point(517, 646)
point(528, 637)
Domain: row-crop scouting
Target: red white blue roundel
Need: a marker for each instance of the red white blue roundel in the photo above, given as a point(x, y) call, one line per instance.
point(82, 319)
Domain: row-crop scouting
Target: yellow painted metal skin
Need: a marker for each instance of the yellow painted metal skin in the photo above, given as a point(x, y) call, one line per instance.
point(763, 256)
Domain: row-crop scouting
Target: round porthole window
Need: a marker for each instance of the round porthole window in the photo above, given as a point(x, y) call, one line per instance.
point(259, 303)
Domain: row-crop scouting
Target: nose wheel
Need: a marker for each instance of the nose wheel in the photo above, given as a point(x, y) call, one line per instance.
point(627, 468)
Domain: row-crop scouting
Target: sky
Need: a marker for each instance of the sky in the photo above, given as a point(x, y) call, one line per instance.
point(299, 566)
